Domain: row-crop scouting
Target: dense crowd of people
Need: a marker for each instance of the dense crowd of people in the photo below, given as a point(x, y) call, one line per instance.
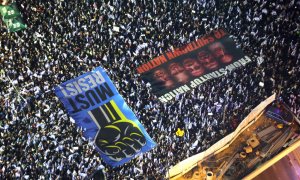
point(64, 39)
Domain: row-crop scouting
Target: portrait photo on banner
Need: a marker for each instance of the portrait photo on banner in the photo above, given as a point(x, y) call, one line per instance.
point(182, 69)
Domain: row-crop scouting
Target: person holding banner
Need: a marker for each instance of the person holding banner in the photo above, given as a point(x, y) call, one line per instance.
point(193, 66)
point(207, 60)
point(220, 53)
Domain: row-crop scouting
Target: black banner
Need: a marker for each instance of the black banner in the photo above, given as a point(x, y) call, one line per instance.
point(186, 67)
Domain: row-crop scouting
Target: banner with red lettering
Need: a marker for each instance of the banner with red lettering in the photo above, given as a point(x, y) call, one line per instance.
point(186, 67)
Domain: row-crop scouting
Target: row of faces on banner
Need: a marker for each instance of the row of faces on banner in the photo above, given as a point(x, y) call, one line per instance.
point(206, 61)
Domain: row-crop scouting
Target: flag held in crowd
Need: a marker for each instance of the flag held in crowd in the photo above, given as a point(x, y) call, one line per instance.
point(9, 12)
point(15, 24)
point(95, 104)
point(116, 29)
point(12, 17)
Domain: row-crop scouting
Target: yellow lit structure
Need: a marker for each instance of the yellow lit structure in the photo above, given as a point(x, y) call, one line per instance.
point(266, 135)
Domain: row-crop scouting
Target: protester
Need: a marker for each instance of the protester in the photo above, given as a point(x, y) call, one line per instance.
point(64, 39)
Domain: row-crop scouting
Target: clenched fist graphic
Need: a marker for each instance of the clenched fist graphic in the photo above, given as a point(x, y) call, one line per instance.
point(118, 137)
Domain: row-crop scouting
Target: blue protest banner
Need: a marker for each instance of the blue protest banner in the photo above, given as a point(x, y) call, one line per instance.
point(95, 104)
